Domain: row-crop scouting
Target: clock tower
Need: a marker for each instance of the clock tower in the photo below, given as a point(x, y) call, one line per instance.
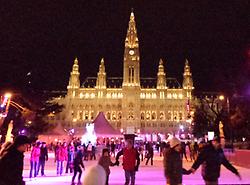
point(131, 80)
point(131, 65)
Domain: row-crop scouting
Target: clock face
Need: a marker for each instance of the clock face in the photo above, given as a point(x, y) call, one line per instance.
point(131, 52)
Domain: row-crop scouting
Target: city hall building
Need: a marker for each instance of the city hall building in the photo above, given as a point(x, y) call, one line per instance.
point(129, 103)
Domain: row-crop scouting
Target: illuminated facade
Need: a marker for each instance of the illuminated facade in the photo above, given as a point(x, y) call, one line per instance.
point(129, 102)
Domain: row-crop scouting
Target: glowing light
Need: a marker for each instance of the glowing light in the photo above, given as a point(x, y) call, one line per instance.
point(221, 97)
point(210, 136)
point(181, 127)
point(90, 135)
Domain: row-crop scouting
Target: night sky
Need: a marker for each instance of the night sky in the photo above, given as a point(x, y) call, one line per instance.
point(44, 37)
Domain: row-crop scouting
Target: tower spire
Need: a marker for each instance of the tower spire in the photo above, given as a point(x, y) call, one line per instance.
point(101, 76)
point(74, 81)
point(161, 76)
point(187, 79)
point(131, 38)
point(131, 66)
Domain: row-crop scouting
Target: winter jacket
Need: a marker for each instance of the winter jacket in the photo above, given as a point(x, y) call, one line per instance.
point(62, 154)
point(105, 162)
point(43, 154)
point(173, 167)
point(131, 159)
point(11, 167)
point(35, 154)
point(78, 160)
point(211, 159)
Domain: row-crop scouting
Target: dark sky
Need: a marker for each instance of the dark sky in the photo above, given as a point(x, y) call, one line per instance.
point(44, 37)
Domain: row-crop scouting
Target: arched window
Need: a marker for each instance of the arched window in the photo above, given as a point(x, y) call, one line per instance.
point(161, 115)
point(142, 115)
point(148, 115)
point(108, 115)
point(153, 115)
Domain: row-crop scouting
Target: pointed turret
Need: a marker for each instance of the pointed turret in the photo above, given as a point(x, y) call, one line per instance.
point(187, 80)
point(131, 38)
point(161, 76)
point(74, 81)
point(101, 76)
point(131, 66)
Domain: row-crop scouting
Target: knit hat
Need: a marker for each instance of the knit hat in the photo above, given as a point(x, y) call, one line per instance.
point(21, 140)
point(174, 142)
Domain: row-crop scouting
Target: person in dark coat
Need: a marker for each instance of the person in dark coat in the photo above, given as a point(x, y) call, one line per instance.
point(42, 158)
point(11, 161)
point(150, 154)
point(173, 163)
point(211, 157)
point(78, 164)
point(131, 161)
point(106, 162)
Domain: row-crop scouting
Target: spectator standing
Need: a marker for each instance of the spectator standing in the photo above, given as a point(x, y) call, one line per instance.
point(11, 161)
point(61, 156)
point(34, 159)
point(42, 158)
point(150, 154)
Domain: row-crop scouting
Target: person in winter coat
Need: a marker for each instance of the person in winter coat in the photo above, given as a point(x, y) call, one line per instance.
point(42, 158)
point(71, 155)
point(61, 156)
point(11, 161)
point(211, 157)
point(34, 159)
point(105, 162)
point(78, 164)
point(150, 154)
point(173, 163)
point(131, 161)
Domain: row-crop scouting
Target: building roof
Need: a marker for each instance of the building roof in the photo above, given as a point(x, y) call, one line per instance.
point(116, 82)
point(102, 127)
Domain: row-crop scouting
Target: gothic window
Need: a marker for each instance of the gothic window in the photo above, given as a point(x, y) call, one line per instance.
point(180, 115)
point(113, 115)
point(92, 95)
point(154, 124)
point(180, 96)
point(131, 74)
point(161, 115)
point(175, 95)
point(92, 115)
point(130, 115)
point(142, 125)
point(153, 115)
point(108, 95)
point(108, 115)
point(142, 116)
point(80, 115)
point(169, 95)
point(169, 115)
point(175, 115)
point(148, 124)
point(86, 115)
point(87, 95)
point(119, 115)
point(81, 95)
point(148, 115)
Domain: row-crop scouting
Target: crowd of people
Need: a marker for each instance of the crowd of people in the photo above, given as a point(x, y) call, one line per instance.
point(72, 155)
